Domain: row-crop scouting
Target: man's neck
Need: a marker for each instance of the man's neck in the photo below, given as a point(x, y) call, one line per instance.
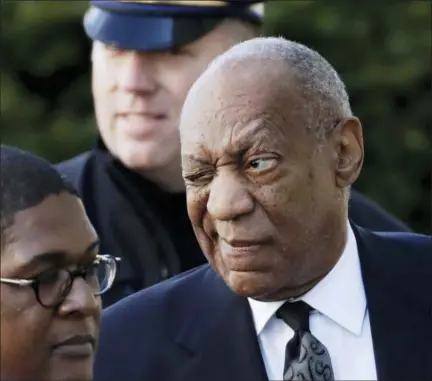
point(329, 246)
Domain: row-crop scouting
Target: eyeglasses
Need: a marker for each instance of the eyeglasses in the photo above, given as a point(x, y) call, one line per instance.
point(52, 287)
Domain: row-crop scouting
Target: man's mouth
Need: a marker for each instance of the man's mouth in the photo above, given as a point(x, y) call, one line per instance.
point(77, 346)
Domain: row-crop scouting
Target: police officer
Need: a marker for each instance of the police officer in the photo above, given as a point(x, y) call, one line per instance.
point(145, 57)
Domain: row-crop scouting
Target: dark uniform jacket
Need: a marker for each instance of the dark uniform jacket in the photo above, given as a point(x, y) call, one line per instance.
point(150, 229)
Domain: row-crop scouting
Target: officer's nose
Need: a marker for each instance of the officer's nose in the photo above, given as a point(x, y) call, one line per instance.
point(137, 73)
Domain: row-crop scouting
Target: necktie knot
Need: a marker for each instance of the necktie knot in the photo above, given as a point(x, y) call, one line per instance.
point(306, 358)
point(295, 314)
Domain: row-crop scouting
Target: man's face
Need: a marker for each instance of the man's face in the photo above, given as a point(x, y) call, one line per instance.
point(30, 333)
point(138, 97)
point(263, 201)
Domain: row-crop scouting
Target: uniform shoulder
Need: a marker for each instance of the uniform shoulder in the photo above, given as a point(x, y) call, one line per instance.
point(73, 161)
point(73, 169)
point(368, 214)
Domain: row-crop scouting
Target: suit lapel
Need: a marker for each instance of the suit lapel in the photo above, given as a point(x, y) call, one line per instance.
point(400, 316)
point(221, 340)
point(220, 336)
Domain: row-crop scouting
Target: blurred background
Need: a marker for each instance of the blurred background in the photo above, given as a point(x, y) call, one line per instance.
point(382, 50)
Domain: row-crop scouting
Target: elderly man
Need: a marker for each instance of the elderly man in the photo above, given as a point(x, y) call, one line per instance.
point(293, 289)
point(146, 55)
point(51, 275)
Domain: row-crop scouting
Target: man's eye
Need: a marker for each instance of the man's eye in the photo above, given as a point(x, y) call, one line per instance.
point(198, 177)
point(113, 50)
point(49, 277)
point(92, 269)
point(262, 164)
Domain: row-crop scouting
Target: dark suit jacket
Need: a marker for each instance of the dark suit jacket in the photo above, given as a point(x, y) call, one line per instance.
point(193, 328)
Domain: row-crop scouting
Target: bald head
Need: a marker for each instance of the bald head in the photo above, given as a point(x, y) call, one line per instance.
point(284, 66)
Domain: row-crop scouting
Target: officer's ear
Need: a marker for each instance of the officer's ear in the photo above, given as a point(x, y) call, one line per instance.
point(257, 30)
point(240, 31)
point(251, 30)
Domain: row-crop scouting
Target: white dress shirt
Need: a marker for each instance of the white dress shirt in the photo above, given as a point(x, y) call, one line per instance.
point(340, 320)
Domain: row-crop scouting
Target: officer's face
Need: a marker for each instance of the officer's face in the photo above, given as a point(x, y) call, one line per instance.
point(138, 97)
point(55, 234)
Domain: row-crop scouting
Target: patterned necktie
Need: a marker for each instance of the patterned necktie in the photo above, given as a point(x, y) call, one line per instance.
point(305, 357)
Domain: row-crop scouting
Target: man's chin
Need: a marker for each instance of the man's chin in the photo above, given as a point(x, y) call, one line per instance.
point(140, 156)
point(261, 286)
point(72, 370)
point(250, 284)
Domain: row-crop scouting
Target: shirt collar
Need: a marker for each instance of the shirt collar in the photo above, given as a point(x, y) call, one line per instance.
point(339, 295)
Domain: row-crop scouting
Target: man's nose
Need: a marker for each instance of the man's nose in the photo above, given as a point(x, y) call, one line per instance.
point(137, 73)
point(229, 198)
point(80, 300)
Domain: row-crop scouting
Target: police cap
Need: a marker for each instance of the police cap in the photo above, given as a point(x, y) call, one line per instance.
point(161, 24)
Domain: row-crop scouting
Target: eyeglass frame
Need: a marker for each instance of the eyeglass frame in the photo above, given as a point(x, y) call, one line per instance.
point(73, 274)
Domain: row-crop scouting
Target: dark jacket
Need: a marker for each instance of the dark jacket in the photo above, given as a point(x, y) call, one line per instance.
point(193, 327)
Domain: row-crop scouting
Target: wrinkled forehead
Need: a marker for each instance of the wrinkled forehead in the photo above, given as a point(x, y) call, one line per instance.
point(58, 224)
point(233, 110)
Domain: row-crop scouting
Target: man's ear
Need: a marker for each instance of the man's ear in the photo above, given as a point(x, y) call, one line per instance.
point(347, 139)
